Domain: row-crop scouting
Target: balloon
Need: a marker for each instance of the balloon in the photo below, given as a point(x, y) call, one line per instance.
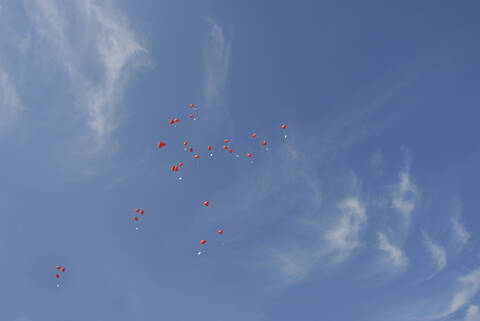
point(197, 156)
point(191, 149)
point(136, 219)
point(254, 135)
point(57, 276)
point(284, 126)
point(230, 151)
point(142, 212)
point(249, 155)
point(220, 232)
point(172, 121)
point(192, 105)
point(206, 203)
point(203, 241)
point(225, 147)
point(173, 170)
point(176, 168)
point(58, 267)
point(185, 143)
point(63, 269)
point(191, 116)
point(176, 120)
point(161, 144)
point(209, 147)
point(180, 164)
point(264, 143)
point(226, 141)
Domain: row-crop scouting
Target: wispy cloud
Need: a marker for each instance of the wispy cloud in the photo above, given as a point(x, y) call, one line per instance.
point(438, 254)
point(217, 60)
point(105, 42)
point(344, 237)
point(461, 234)
point(394, 255)
point(405, 195)
point(467, 287)
point(10, 105)
point(473, 313)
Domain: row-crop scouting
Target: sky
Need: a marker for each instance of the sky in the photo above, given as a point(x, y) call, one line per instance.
point(367, 210)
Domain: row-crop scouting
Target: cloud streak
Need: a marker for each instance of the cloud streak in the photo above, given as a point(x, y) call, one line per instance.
point(344, 237)
point(105, 42)
point(394, 255)
point(10, 105)
point(438, 254)
point(217, 60)
point(405, 195)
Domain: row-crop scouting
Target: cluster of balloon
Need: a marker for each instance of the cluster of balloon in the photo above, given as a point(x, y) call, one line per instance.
point(135, 218)
point(203, 242)
point(227, 147)
point(57, 276)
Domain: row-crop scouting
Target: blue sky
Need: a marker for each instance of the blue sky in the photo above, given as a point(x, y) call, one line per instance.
point(367, 211)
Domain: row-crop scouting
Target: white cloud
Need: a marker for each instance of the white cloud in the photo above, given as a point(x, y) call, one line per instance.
point(438, 254)
point(467, 287)
point(10, 104)
point(85, 35)
point(395, 255)
point(344, 237)
point(473, 313)
point(217, 60)
point(461, 234)
point(405, 195)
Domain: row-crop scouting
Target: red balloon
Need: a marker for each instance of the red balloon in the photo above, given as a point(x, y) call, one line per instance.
point(254, 135)
point(176, 120)
point(209, 147)
point(197, 156)
point(172, 121)
point(249, 155)
point(180, 164)
point(192, 105)
point(225, 147)
point(191, 149)
point(136, 219)
point(191, 116)
point(230, 151)
point(161, 144)
point(137, 210)
point(142, 212)
point(185, 143)
point(206, 203)
point(57, 276)
point(264, 143)
point(58, 267)
point(203, 241)
point(176, 168)
point(63, 269)
point(173, 170)
point(220, 231)
point(284, 126)
point(226, 141)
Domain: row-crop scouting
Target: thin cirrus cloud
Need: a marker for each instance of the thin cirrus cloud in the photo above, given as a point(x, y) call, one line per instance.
point(467, 288)
point(460, 233)
point(217, 59)
point(344, 237)
point(473, 313)
point(437, 253)
point(405, 195)
point(393, 254)
point(105, 41)
point(10, 105)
